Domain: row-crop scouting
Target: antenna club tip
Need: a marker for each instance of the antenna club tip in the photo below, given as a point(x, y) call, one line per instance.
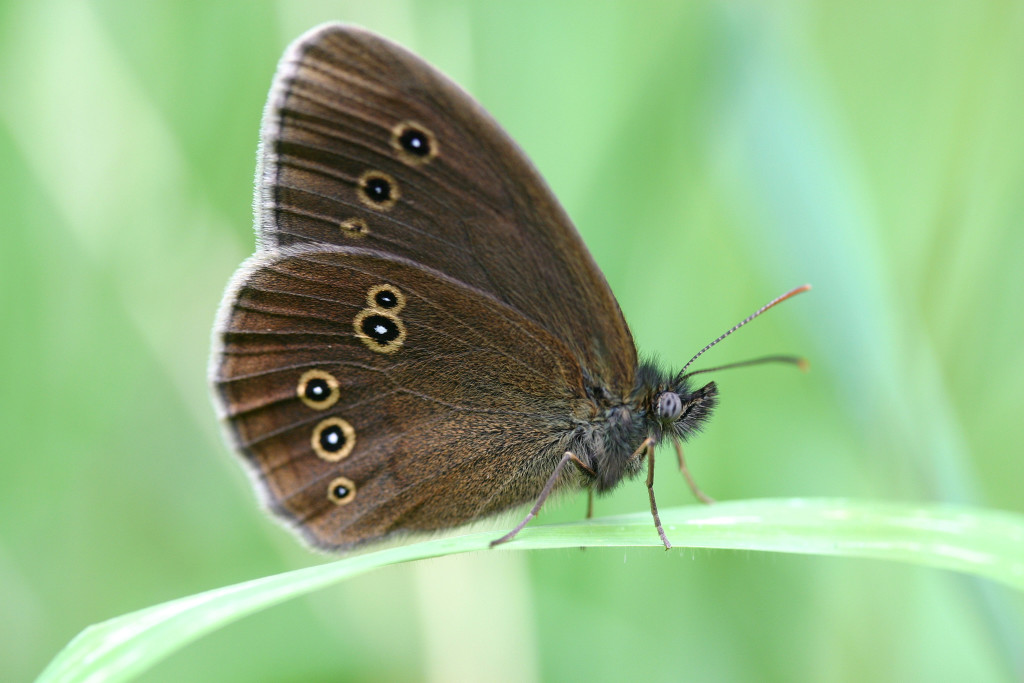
point(791, 293)
point(803, 364)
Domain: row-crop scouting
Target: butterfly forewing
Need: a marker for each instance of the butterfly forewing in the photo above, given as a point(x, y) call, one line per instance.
point(364, 144)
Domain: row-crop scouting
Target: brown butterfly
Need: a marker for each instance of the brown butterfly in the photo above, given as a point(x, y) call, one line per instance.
point(422, 339)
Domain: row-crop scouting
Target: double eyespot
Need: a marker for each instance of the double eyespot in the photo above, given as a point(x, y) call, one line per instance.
point(378, 325)
point(333, 438)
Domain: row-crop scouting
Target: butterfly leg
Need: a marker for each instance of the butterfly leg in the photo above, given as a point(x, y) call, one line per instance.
point(654, 505)
point(642, 448)
point(703, 497)
point(545, 492)
point(590, 503)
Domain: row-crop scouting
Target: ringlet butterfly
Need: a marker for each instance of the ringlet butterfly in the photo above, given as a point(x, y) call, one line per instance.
point(422, 339)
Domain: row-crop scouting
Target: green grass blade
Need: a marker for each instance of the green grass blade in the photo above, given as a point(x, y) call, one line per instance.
point(982, 542)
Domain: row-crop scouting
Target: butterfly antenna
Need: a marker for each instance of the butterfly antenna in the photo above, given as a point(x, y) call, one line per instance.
point(770, 304)
point(791, 360)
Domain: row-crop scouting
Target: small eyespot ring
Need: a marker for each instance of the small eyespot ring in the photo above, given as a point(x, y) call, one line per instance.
point(377, 298)
point(378, 190)
point(354, 227)
point(318, 389)
point(341, 491)
point(414, 143)
point(379, 330)
point(333, 439)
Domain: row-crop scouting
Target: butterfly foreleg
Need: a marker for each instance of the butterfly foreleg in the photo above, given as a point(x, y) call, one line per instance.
point(703, 497)
point(650, 491)
point(545, 492)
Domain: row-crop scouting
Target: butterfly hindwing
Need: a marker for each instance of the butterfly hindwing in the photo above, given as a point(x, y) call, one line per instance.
point(346, 367)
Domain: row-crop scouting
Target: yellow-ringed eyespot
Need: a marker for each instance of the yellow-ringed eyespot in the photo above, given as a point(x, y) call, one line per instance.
point(386, 298)
point(380, 331)
point(341, 491)
point(378, 190)
point(318, 389)
point(414, 143)
point(333, 439)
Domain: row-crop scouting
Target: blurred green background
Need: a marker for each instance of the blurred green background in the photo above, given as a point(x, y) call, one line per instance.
point(713, 154)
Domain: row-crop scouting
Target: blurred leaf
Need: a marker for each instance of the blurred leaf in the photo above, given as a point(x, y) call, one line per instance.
point(983, 542)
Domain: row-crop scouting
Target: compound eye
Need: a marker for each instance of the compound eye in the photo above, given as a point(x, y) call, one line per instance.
point(669, 406)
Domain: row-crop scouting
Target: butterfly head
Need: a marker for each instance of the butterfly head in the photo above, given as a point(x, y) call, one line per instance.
point(680, 411)
point(669, 405)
